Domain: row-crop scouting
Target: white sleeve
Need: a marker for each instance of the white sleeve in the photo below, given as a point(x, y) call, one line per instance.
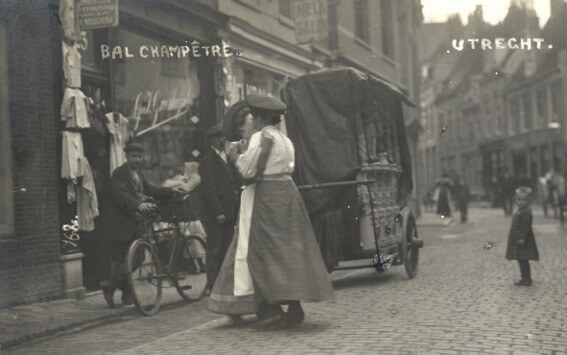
point(247, 162)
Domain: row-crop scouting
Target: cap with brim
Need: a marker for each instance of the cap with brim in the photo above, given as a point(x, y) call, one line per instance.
point(215, 131)
point(134, 147)
point(230, 121)
point(265, 103)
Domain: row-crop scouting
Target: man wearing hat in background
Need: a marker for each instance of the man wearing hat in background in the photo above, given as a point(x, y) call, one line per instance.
point(220, 191)
point(129, 203)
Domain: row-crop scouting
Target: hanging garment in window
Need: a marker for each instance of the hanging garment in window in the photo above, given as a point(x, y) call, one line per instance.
point(69, 20)
point(72, 156)
point(72, 66)
point(117, 126)
point(74, 109)
point(87, 202)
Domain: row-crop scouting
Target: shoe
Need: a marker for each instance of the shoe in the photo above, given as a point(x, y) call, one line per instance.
point(108, 292)
point(273, 322)
point(272, 317)
point(523, 283)
point(294, 316)
point(127, 298)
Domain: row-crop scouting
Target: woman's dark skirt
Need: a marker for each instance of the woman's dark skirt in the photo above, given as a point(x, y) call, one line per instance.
point(284, 258)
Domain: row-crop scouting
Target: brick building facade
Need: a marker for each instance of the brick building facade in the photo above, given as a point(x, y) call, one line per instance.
point(31, 87)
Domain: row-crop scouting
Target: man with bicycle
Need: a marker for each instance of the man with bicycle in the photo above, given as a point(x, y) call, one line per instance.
point(130, 203)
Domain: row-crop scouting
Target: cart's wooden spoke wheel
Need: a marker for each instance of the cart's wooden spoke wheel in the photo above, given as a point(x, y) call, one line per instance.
point(410, 248)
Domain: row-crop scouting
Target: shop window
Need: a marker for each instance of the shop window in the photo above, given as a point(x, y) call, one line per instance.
point(286, 8)
point(362, 26)
point(387, 28)
point(160, 89)
point(6, 183)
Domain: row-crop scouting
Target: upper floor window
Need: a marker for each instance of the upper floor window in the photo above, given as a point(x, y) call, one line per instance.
point(361, 20)
point(286, 8)
point(387, 27)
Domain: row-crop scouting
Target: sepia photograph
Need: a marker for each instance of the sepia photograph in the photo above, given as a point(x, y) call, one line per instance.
point(283, 176)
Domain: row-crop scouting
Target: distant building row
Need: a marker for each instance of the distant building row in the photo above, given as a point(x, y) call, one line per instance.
point(484, 112)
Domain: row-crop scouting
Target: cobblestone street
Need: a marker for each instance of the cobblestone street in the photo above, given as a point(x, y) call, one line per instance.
point(462, 300)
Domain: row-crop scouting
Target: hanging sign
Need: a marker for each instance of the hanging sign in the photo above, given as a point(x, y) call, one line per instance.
point(97, 14)
point(311, 20)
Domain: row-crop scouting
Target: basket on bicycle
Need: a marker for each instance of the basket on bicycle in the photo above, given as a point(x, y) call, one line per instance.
point(178, 209)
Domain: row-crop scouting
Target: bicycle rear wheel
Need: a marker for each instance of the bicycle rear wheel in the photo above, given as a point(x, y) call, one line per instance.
point(190, 276)
point(143, 267)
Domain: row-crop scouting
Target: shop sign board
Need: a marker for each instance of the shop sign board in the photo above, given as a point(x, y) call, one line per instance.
point(311, 20)
point(97, 14)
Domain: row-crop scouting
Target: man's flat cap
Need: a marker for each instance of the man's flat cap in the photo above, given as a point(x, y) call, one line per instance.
point(265, 103)
point(134, 147)
point(215, 131)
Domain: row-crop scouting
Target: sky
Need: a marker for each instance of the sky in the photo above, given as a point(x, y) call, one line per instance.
point(494, 10)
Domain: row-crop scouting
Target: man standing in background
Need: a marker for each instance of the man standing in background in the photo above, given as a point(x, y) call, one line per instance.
point(219, 190)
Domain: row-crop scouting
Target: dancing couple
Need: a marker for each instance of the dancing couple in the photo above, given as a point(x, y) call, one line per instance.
point(274, 258)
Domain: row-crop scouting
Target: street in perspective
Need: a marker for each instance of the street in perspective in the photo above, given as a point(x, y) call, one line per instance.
point(283, 176)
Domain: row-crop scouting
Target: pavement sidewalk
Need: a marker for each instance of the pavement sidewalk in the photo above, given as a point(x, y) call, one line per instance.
point(25, 323)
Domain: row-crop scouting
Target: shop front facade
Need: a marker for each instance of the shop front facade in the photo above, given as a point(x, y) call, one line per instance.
point(154, 97)
point(50, 93)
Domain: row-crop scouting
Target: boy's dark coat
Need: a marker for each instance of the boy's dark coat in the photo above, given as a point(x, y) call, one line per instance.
point(522, 229)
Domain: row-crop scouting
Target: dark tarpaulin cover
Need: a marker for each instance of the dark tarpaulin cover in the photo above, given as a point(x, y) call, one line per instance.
point(321, 123)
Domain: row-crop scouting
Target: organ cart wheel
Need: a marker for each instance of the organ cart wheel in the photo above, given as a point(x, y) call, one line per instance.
point(410, 248)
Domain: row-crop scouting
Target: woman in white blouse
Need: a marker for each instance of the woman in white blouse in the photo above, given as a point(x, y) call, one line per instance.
point(283, 257)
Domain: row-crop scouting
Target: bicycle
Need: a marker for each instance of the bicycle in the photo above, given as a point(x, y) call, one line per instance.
point(166, 253)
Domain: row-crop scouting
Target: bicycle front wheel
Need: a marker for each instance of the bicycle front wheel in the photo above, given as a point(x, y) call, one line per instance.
point(190, 275)
point(143, 267)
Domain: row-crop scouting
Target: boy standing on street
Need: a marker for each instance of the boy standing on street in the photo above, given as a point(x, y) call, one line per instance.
point(521, 239)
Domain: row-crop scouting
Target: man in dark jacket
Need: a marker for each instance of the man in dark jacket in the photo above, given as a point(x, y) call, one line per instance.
point(220, 191)
point(129, 204)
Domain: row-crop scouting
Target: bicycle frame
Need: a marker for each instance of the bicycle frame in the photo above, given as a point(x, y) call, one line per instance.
point(154, 237)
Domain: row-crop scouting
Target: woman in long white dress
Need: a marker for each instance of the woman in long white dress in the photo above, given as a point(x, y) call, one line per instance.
point(233, 293)
point(274, 258)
